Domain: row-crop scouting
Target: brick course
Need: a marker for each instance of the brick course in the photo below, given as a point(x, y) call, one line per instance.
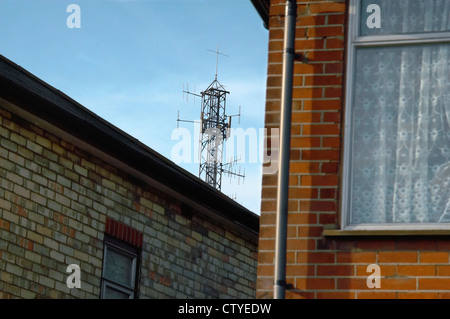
point(54, 202)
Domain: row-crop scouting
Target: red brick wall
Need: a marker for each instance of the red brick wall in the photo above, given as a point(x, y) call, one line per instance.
point(320, 266)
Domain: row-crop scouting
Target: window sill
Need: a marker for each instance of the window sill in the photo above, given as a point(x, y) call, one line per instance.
point(387, 232)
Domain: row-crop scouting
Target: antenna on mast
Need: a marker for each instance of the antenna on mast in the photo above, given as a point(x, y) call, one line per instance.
point(217, 52)
point(215, 127)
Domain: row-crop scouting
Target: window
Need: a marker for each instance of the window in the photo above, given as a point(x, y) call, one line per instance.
point(397, 120)
point(119, 278)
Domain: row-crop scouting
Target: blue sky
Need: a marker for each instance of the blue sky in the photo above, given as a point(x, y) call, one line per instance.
point(130, 59)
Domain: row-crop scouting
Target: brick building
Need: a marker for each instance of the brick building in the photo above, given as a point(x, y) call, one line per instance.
point(75, 190)
point(369, 149)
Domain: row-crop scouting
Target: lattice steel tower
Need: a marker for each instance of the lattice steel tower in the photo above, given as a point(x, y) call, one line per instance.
point(214, 131)
point(215, 128)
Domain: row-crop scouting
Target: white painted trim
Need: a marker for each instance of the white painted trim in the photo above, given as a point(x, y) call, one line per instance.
point(398, 226)
point(355, 41)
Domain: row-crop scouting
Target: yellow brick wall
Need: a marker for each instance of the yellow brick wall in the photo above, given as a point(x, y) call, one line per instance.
point(54, 201)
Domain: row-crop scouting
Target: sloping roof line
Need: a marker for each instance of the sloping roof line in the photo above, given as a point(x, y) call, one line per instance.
point(35, 96)
point(262, 6)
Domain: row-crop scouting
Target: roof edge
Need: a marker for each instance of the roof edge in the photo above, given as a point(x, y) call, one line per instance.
point(37, 97)
point(262, 6)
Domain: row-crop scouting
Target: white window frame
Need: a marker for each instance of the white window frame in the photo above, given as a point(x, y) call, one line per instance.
point(354, 41)
point(111, 244)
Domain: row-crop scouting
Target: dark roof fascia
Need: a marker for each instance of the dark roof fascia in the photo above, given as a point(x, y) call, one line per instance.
point(262, 6)
point(35, 96)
